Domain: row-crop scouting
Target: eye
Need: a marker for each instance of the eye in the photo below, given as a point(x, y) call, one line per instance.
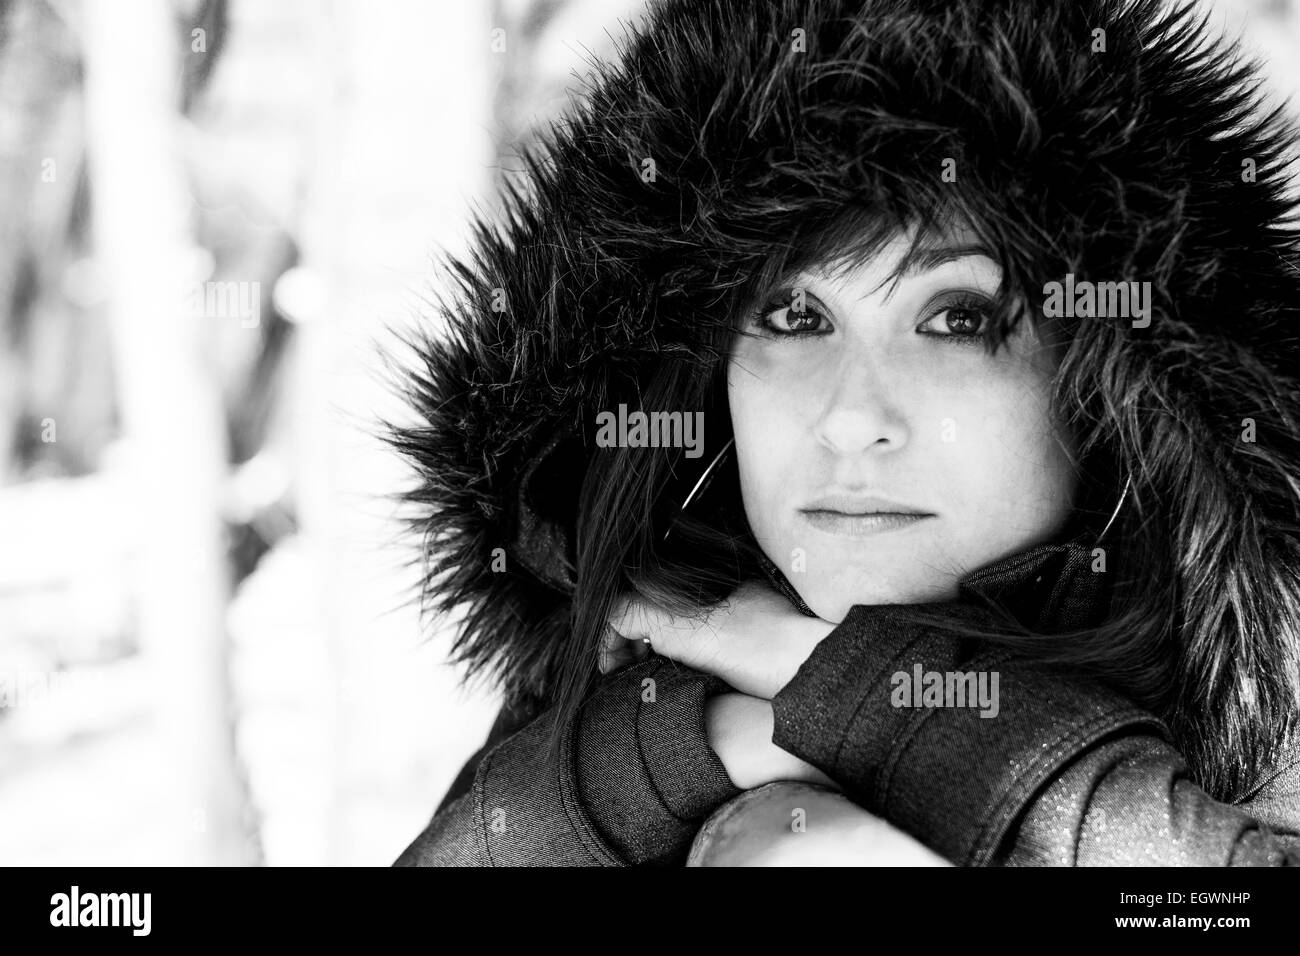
point(963, 318)
point(782, 316)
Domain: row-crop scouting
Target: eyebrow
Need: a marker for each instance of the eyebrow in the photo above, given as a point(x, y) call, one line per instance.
point(925, 259)
point(933, 258)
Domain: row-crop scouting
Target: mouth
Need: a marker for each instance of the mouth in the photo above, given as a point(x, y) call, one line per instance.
point(860, 515)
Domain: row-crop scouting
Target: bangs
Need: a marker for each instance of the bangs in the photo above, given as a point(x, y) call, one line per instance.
point(856, 235)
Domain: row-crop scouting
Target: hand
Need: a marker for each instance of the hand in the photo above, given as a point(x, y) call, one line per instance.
point(754, 640)
point(795, 824)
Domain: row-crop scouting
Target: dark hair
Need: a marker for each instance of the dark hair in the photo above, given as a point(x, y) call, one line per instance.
point(625, 510)
point(1203, 627)
point(627, 504)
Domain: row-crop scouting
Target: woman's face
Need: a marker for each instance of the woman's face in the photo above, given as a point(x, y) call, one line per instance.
point(879, 397)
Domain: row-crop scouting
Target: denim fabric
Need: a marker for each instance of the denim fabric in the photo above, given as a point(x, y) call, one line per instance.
point(947, 775)
point(519, 812)
point(649, 781)
point(1275, 799)
point(1129, 803)
point(1067, 773)
point(507, 723)
point(635, 778)
point(1050, 586)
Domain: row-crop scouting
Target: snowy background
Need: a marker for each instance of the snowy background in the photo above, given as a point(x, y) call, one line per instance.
point(208, 649)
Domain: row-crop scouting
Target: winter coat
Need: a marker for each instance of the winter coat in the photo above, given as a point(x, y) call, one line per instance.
point(1110, 139)
point(1068, 774)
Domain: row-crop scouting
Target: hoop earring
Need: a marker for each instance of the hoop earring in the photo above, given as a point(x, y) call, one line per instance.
point(1128, 483)
point(709, 473)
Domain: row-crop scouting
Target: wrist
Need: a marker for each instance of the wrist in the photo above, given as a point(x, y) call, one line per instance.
point(806, 634)
point(796, 643)
point(740, 729)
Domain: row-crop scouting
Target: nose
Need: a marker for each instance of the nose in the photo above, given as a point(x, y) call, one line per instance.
point(862, 409)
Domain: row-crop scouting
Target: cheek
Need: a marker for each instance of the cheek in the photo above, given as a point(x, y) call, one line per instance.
point(771, 434)
point(1011, 463)
point(774, 407)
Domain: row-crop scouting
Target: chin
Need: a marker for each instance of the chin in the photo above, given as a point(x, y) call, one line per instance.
point(832, 602)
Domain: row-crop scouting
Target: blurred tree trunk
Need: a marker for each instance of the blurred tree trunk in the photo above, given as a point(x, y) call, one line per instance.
point(172, 419)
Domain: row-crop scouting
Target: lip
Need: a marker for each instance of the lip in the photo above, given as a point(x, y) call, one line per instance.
point(860, 515)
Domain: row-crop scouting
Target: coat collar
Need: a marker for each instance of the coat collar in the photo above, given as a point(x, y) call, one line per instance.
point(1050, 586)
point(1057, 585)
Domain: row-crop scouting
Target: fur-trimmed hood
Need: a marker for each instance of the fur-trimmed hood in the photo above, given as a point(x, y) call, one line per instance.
point(1115, 141)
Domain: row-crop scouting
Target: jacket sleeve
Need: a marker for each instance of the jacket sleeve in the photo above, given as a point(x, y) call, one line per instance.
point(1061, 771)
point(635, 778)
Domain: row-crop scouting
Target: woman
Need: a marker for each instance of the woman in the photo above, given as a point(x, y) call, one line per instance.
point(975, 483)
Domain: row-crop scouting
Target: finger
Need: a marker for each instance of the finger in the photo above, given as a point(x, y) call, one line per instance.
point(616, 651)
point(635, 619)
point(610, 659)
